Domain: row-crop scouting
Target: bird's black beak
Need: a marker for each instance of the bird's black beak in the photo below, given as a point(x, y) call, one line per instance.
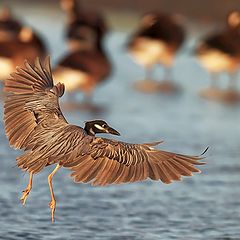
point(112, 131)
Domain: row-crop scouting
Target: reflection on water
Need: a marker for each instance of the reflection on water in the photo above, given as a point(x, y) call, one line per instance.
point(205, 206)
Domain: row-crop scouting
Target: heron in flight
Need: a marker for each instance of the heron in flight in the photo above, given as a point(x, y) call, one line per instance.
point(34, 123)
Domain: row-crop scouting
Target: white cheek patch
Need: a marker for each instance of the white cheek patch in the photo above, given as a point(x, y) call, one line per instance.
point(92, 132)
point(99, 127)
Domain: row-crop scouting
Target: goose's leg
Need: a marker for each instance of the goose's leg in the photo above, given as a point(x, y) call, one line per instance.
point(214, 80)
point(232, 81)
point(88, 98)
point(52, 204)
point(71, 97)
point(27, 190)
point(148, 74)
point(167, 73)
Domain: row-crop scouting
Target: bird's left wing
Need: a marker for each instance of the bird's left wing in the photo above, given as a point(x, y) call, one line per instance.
point(103, 161)
point(31, 103)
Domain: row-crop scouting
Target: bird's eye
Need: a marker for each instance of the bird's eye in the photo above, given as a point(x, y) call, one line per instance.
point(104, 125)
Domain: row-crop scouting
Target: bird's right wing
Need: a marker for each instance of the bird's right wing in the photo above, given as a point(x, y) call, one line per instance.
point(31, 103)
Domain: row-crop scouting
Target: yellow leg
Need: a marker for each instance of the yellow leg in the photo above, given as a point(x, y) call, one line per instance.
point(27, 190)
point(52, 204)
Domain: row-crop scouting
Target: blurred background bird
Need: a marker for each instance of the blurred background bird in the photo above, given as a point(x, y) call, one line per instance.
point(86, 65)
point(220, 52)
point(78, 20)
point(157, 40)
point(17, 43)
point(9, 25)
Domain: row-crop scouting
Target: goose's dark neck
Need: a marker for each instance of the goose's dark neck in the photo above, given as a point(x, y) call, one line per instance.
point(99, 44)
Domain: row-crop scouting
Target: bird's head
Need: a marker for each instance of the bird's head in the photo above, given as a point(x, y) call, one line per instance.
point(99, 126)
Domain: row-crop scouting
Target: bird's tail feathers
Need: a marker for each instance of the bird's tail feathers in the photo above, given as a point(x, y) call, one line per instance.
point(31, 163)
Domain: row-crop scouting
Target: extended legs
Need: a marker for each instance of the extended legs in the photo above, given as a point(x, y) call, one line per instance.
point(27, 190)
point(52, 204)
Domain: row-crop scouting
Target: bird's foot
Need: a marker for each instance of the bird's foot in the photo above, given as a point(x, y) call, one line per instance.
point(25, 195)
point(52, 205)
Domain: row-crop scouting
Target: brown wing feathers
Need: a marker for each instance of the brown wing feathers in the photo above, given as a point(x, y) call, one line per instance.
point(20, 123)
point(29, 103)
point(110, 162)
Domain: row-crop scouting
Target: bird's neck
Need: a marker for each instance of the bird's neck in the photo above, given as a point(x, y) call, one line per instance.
point(89, 131)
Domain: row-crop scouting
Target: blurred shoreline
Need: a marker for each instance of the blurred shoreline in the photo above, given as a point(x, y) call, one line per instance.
point(124, 14)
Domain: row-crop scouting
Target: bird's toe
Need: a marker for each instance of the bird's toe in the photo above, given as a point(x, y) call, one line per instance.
point(52, 206)
point(24, 196)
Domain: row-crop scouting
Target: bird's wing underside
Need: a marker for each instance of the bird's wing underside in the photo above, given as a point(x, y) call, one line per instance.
point(103, 161)
point(31, 103)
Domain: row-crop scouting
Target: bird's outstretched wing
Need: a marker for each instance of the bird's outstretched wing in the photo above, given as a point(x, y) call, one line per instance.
point(31, 100)
point(103, 161)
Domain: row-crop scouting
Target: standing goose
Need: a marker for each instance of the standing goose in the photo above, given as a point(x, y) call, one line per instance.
point(9, 31)
point(27, 45)
point(220, 52)
point(157, 41)
point(9, 26)
point(83, 70)
point(35, 124)
point(87, 64)
point(79, 22)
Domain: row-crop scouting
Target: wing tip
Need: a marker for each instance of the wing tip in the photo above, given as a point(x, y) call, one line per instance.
point(207, 148)
point(201, 156)
point(153, 144)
